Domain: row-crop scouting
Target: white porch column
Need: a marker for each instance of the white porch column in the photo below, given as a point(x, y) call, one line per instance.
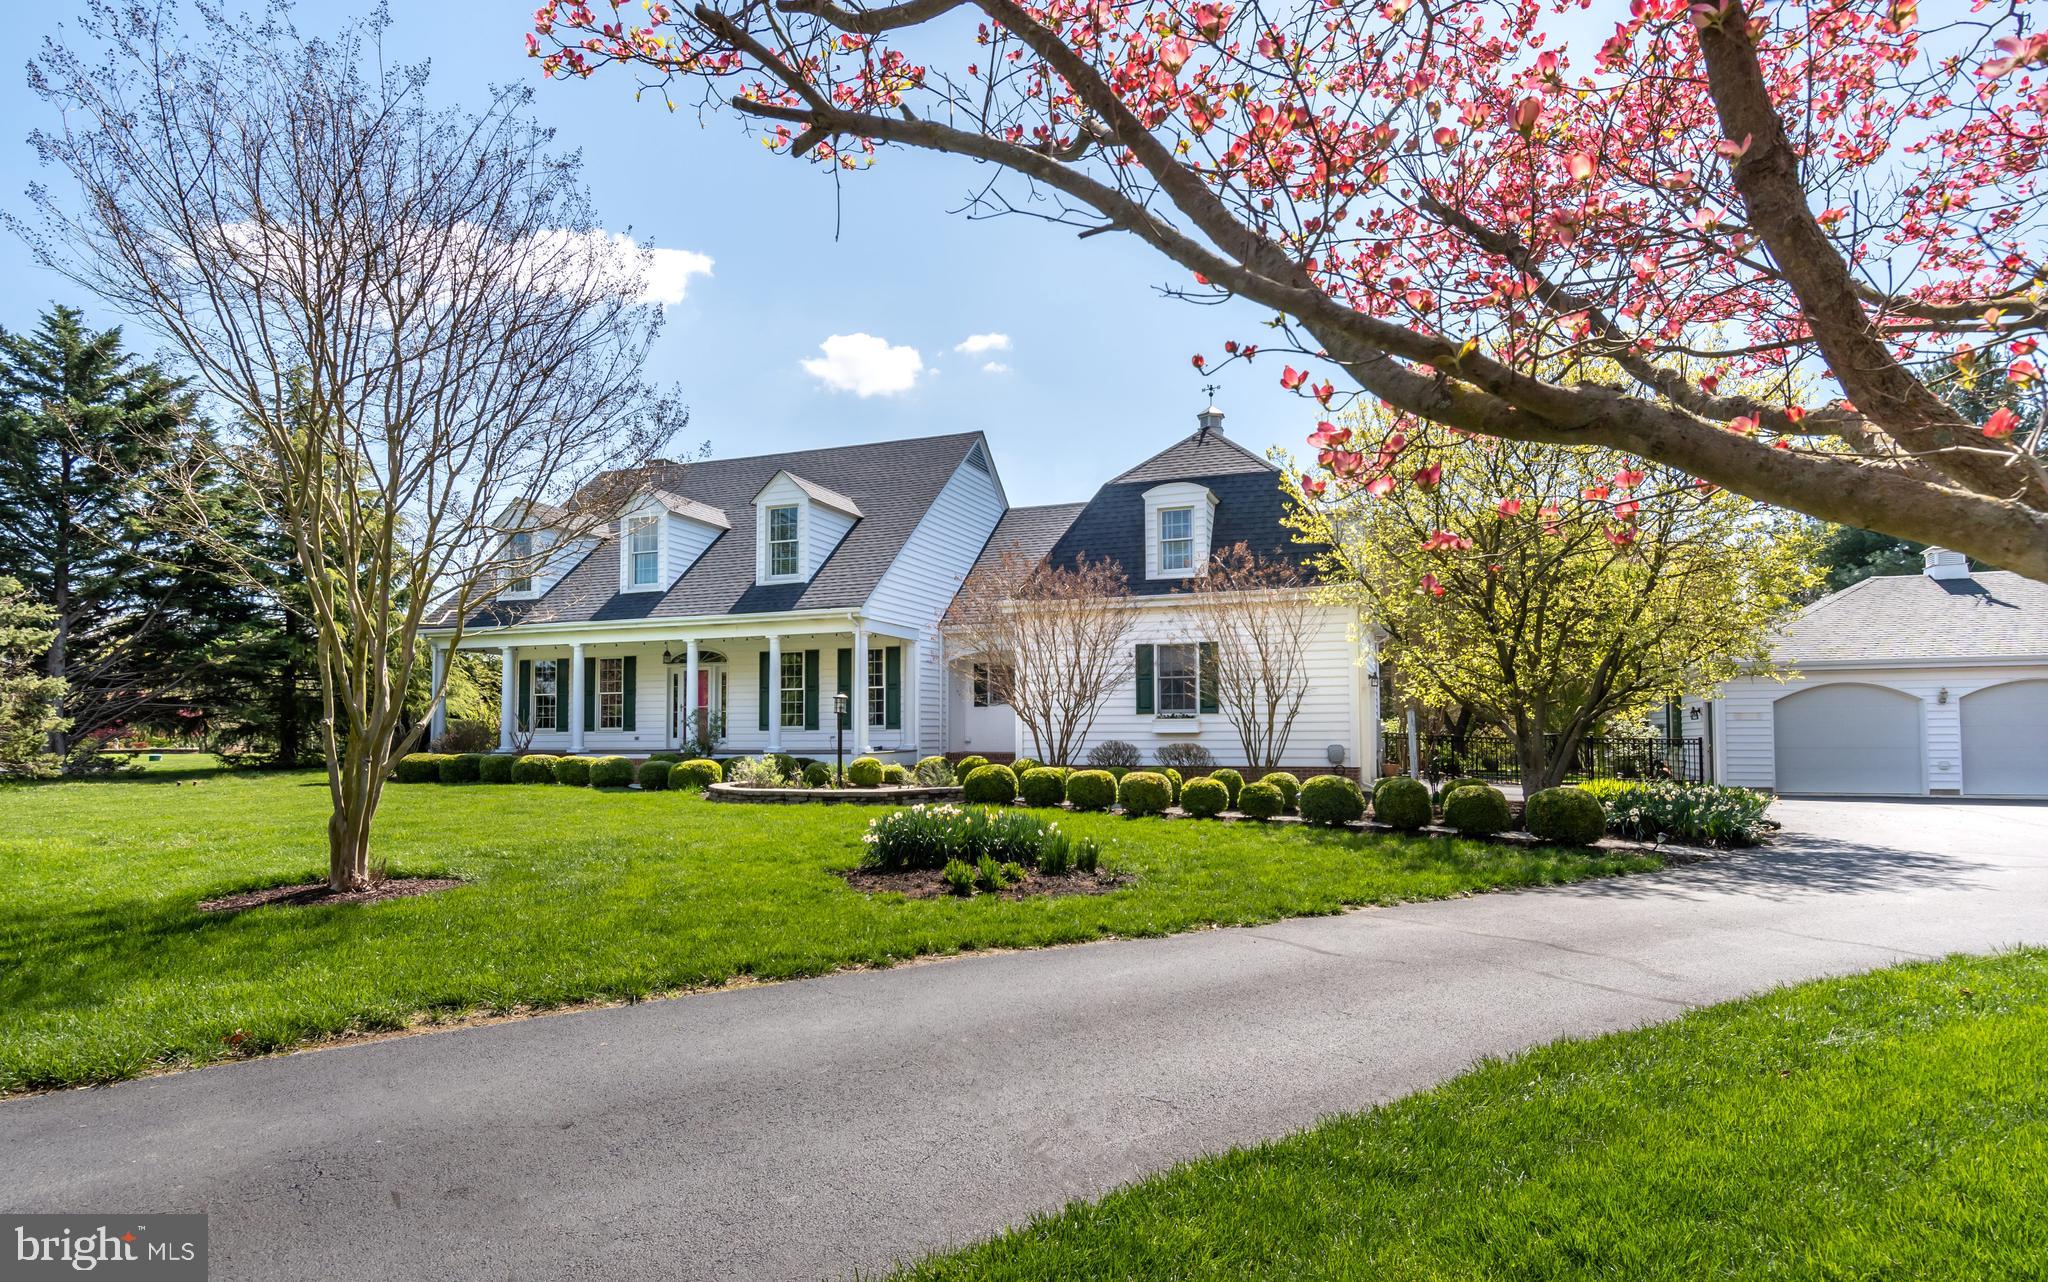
point(774, 693)
point(858, 711)
point(913, 686)
point(575, 697)
point(437, 716)
point(508, 696)
point(689, 691)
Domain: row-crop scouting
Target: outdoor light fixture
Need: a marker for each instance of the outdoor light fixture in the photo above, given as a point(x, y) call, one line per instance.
point(839, 702)
point(1943, 696)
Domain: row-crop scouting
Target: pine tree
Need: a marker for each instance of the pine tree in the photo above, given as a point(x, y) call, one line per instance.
point(29, 701)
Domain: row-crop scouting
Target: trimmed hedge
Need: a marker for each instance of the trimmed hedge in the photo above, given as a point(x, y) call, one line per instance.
point(817, 775)
point(991, 786)
point(1449, 786)
point(611, 772)
point(463, 767)
point(1570, 816)
point(665, 757)
point(1397, 801)
point(536, 768)
point(1091, 790)
point(495, 768)
point(1478, 810)
point(1261, 800)
point(573, 771)
point(1144, 792)
point(1232, 781)
point(1174, 781)
point(1331, 800)
point(695, 773)
point(864, 772)
point(967, 766)
point(1289, 786)
point(1205, 798)
point(652, 776)
point(419, 767)
point(1042, 786)
point(1022, 764)
point(894, 772)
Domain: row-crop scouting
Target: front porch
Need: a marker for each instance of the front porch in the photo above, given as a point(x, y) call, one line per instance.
point(742, 695)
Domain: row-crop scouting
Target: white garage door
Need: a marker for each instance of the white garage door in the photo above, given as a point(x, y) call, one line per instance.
point(1848, 738)
point(2005, 740)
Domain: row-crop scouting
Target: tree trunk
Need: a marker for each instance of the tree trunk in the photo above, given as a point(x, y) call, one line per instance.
point(1532, 754)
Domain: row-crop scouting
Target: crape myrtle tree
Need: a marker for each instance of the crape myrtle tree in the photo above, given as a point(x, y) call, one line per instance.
point(1437, 199)
point(1262, 617)
point(409, 314)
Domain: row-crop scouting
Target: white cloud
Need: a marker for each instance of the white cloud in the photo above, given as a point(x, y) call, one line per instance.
point(865, 365)
point(976, 344)
point(994, 367)
point(668, 276)
point(653, 275)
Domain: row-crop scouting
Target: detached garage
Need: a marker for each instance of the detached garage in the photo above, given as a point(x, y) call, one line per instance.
point(1932, 684)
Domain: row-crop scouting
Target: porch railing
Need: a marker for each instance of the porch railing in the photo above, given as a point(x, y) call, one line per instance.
point(1492, 756)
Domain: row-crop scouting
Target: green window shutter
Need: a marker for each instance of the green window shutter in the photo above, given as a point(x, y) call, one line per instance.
point(589, 695)
point(1144, 680)
point(810, 689)
point(561, 694)
point(846, 686)
point(764, 689)
point(630, 691)
point(892, 688)
point(525, 694)
point(1207, 659)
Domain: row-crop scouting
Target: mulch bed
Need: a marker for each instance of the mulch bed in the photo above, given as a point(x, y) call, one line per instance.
point(311, 893)
point(926, 883)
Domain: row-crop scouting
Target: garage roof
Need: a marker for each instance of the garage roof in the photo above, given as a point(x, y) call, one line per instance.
point(1913, 618)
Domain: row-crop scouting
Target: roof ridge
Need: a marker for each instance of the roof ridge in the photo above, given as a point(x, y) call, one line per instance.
point(1193, 438)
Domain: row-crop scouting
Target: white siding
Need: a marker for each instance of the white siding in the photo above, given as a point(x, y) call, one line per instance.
point(1743, 722)
point(819, 529)
point(687, 540)
point(553, 562)
point(823, 529)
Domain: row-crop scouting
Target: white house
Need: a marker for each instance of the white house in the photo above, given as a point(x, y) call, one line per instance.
point(1932, 684)
point(737, 596)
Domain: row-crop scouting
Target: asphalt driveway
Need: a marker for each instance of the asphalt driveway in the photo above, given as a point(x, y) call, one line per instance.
point(810, 1129)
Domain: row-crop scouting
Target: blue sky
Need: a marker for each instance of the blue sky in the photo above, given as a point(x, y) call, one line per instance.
point(1095, 376)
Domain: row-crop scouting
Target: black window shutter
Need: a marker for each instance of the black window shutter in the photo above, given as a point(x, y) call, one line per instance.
point(1207, 659)
point(1144, 680)
point(764, 689)
point(561, 667)
point(630, 691)
point(846, 686)
point(892, 688)
point(810, 689)
point(589, 695)
point(525, 694)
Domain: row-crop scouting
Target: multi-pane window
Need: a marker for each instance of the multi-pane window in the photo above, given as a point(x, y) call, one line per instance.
point(782, 557)
point(544, 694)
point(643, 538)
point(519, 575)
point(990, 682)
point(1177, 669)
point(611, 694)
point(878, 692)
point(792, 702)
point(1177, 538)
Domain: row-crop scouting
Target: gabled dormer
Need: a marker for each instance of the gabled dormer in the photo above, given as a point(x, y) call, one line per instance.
point(797, 525)
point(660, 534)
point(533, 552)
point(1180, 526)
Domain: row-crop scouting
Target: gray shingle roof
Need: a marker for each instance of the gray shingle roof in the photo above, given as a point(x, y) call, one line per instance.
point(1025, 534)
point(1913, 618)
point(893, 482)
point(1204, 454)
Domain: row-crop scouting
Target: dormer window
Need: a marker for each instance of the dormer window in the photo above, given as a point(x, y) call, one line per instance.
point(1176, 539)
point(519, 574)
point(643, 548)
point(782, 541)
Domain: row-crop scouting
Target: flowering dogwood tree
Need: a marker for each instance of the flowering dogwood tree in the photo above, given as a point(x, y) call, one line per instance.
point(1439, 198)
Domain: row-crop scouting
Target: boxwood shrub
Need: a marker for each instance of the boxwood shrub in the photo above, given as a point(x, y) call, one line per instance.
point(539, 767)
point(1477, 810)
point(1288, 785)
point(1261, 800)
point(695, 773)
point(653, 775)
point(1232, 781)
point(1021, 764)
point(967, 766)
point(817, 775)
point(991, 786)
point(864, 772)
point(463, 767)
point(573, 771)
point(1331, 800)
point(666, 758)
point(419, 767)
point(1042, 786)
point(1205, 798)
point(1570, 816)
point(1449, 786)
point(894, 772)
point(611, 772)
point(1144, 792)
point(1174, 782)
point(496, 767)
point(1091, 790)
point(1397, 801)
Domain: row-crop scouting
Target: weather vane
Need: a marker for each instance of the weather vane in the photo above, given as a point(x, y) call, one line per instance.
point(1210, 390)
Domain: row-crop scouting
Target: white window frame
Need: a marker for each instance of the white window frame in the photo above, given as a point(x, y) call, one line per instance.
point(544, 668)
point(1199, 502)
point(1193, 678)
point(878, 686)
point(629, 564)
point(791, 711)
point(519, 574)
point(1183, 544)
point(795, 541)
point(611, 694)
point(983, 691)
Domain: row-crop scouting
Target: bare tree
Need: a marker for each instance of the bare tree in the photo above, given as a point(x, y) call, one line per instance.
point(1262, 618)
point(1050, 640)
point(411, 314)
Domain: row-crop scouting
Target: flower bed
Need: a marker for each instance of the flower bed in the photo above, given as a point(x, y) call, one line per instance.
point(964, 851)
point(1700, 813)
point(881, 794)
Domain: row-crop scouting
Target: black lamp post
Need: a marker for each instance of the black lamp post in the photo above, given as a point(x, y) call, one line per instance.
point(839, 702)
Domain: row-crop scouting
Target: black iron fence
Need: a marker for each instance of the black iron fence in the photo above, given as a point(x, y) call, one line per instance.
point(1492, 756)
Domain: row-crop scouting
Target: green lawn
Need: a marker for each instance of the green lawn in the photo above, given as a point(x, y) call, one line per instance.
point(1892, 1126)
point(107, 969)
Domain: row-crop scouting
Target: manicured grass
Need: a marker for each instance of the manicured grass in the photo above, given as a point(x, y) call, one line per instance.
point(107, 969)
point(1891, 1126)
